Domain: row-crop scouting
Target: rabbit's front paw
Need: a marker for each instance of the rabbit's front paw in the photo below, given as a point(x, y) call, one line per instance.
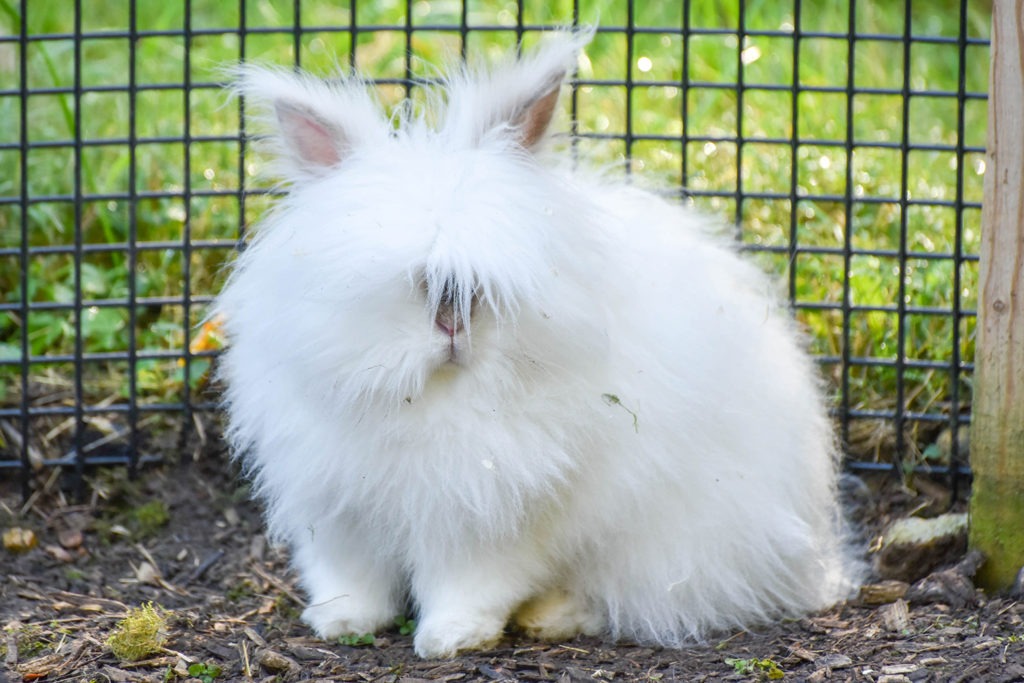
point(559, 615)
point(449, 634)
point(344, 616)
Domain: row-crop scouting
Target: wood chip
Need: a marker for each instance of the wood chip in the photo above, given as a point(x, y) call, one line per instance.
point(223, 651)
point(274, 661)
point(231, 517)
point(254, 637)
point(833, 661)
point(148, 574)
point(801, 654)
point(894, 669)
point(257, 547)
point(11, 658)
point(58, 553)
point(310, 654)
point(114, 674)
point(278, 584)
point(884, 592)
point(895, 616)
point(63, 659)
point(90, 603)
point(953, 586)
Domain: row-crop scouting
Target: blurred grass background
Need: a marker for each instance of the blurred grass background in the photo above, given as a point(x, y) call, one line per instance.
point(178, 196)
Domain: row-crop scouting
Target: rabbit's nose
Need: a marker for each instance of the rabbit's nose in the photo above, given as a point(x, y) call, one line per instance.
point(450, 316)
point(446, 320)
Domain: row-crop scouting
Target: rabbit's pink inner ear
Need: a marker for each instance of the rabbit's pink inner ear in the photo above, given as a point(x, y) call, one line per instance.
point(314, 141)
point(532, 123)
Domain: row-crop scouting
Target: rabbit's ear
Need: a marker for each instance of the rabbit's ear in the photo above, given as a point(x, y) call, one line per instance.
point(517, 99)
point(530, 122)
point(312, 140)
point(314, 124)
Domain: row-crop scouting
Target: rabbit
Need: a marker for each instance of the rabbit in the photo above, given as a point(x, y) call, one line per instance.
point(468, 379)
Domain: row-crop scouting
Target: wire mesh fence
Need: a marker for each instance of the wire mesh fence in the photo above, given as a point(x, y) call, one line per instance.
point(845, 141)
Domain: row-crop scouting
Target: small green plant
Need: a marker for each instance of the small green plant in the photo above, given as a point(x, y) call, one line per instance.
point(141, 633)
point(28, 638)
point(204, 672)
point(149, 517)
point(356, 640)
point(762, 668)
point(406, 626)
point(72, 574)
point(239, 591)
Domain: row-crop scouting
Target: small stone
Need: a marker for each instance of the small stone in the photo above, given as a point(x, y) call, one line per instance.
point(19, 540)
point(914, 547)
point(70, 539)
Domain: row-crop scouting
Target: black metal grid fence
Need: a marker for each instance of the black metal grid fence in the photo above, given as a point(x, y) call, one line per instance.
point(844, 139)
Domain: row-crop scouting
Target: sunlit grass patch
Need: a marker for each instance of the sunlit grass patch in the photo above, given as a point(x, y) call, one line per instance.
point(157, 223)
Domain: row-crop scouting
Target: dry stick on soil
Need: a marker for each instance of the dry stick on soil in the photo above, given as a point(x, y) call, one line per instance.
point(35, 458)
point(86, 602)
point(204, 566)
point(243, 648)
point(40, 492)
point(278, 584)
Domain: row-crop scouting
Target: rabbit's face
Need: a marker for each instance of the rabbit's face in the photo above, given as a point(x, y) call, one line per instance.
point(420, 267)
point(417, 256)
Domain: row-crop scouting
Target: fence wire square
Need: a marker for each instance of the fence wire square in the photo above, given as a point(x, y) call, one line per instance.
point(843, 139)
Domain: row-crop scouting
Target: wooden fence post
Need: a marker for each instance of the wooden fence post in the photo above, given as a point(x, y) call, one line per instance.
point(997, 413)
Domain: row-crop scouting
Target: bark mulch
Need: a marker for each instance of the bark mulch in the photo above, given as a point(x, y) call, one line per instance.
point(187, 539)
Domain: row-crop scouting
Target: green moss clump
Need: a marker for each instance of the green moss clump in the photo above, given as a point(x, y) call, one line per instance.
point(149, 517)
point(141, 633)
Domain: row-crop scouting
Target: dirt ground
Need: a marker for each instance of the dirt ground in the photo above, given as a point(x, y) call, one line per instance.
point(187, 538)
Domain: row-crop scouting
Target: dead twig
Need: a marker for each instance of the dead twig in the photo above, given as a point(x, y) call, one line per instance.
point(35, 458)
point(86, 601)
point(204, 567)
point(278, 584)
point(243, 648)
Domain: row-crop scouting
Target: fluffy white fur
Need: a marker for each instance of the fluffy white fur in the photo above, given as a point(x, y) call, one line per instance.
point(466, 377)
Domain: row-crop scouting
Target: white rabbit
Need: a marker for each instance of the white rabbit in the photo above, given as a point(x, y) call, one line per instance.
point(468, 379)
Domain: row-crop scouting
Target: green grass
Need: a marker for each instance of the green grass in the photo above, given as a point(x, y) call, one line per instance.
point(821, 169)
